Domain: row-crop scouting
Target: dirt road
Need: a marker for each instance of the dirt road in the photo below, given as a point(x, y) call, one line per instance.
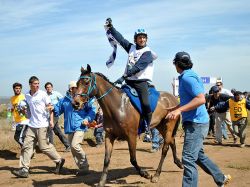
point(230, 158)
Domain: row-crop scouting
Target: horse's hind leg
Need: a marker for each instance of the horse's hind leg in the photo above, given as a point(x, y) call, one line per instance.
point(132, 152)
point(176, 159)
point(165, 148)
point(109, 142)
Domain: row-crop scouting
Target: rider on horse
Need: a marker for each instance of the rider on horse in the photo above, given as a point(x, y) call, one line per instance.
point(139, 69)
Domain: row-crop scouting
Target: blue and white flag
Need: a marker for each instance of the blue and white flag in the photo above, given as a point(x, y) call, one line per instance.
point(113, 42)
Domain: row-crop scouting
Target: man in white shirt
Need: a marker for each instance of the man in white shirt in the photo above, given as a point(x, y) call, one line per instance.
point(40, 119)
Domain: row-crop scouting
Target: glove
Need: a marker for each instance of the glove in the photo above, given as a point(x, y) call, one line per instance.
point(120, 80)
point(108, 23)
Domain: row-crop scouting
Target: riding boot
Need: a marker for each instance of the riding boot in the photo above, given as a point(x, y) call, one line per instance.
point(148, 121)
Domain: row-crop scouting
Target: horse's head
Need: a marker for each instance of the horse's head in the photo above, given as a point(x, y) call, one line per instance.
point(85, 88)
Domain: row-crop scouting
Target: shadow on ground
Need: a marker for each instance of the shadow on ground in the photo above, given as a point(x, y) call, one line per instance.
point(8, 155)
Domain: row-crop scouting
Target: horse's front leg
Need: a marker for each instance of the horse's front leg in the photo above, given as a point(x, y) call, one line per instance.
point(109, 142)
point(132, 152)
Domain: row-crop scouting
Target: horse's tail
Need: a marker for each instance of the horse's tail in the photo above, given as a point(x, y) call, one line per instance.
point(176, 126)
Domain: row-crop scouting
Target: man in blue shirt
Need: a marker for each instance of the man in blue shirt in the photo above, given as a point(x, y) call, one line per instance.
point(55, 97)
point(195, 123)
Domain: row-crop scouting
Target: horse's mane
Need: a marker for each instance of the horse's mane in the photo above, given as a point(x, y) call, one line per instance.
point(106, 79)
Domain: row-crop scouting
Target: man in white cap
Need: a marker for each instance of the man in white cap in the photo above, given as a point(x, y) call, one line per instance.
point(75, 125)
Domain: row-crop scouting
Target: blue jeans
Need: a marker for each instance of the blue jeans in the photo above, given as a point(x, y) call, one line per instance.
point(157, 140)
point(193, 155)
point(98, 133)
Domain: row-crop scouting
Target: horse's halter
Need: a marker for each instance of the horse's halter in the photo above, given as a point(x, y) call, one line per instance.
point(92, 87)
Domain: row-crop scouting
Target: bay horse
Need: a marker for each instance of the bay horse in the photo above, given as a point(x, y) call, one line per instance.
point(121, 119)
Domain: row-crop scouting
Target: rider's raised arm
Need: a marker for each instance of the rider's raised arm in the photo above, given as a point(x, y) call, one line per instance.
point(120, 39)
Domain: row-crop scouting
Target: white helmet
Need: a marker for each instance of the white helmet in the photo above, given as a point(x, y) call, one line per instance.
point(140, 32)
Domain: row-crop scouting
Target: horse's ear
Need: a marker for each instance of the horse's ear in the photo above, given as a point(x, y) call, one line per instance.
point(88, 68)
point(82, 69)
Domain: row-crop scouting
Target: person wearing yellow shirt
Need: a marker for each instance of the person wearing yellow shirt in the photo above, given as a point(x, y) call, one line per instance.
point(20, 120)
point(238, 107)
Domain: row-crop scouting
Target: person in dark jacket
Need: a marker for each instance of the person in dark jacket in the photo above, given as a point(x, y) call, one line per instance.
point(75, 125)
point(140, 66)
point(220, 116)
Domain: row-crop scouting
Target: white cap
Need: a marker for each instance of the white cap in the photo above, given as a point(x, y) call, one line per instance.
point(72, 84)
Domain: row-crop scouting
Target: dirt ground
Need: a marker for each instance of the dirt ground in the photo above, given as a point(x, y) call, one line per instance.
point(230, 158)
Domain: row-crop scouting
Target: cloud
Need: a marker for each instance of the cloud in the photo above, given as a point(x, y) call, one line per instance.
point(51, 38)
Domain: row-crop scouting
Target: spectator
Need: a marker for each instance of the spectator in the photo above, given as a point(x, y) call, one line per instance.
point(38, 101)
point(20, 120)
point(223, 90)
point(75, 124)
point(238, 109)
point(220, 116)
point(98, 132)
point(195, 124)
point(211, 130)
point(55, 97)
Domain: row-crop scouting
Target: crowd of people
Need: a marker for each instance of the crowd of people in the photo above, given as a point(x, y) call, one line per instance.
point(36, 117)
point(36, 114)
point(227, 110)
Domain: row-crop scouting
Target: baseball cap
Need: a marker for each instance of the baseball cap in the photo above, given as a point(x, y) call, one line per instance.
point(180, 56)
point(215, 89)
point(72, 84)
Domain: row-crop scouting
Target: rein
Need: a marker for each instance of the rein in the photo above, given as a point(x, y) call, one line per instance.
point(92, 87)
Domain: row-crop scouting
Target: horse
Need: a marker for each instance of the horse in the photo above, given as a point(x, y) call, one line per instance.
point(121, 119)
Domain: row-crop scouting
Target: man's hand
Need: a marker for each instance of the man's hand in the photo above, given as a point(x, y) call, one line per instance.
point(50, 107)
point(174, 114)
point(108, 23)
point(85, 122)
point(120, 80)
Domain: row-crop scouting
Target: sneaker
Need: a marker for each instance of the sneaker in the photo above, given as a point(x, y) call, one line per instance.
point(59, 166)
point(227, 178)
point(235, 140)
point(217, 142)
point(83, 171)
point(242, 145)
point(21, 173)
point(67, 149)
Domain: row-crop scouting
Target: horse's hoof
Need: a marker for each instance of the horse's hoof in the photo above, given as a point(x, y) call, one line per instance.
point(145, 174)
point(179, 164)
point(155, 179)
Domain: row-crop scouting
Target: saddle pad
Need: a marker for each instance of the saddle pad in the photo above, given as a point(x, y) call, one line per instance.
point(153, 97)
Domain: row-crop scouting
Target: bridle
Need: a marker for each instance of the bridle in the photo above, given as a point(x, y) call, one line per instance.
point(92, 87)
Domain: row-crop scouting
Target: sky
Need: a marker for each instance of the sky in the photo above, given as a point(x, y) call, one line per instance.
point(52, 39)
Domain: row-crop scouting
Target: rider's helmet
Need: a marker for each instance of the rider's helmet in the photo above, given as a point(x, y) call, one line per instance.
point(140, 32)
